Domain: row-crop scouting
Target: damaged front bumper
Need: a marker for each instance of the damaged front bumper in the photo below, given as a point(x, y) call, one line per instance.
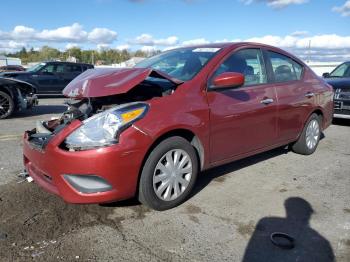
point(92, 176)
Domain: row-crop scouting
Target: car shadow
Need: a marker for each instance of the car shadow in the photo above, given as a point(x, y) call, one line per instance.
point(41, 110)
point(218, 173)
point(308, 244)
point(341, 122)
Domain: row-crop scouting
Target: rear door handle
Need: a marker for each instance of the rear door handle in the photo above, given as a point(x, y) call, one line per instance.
point(266, 101)
point(309, 94)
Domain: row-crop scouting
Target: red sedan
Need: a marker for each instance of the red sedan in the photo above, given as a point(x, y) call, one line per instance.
point(148, 131)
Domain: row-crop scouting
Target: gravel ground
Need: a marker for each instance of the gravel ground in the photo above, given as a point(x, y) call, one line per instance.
point(228, 218)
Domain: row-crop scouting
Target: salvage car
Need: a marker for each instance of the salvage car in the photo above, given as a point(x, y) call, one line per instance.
point(50, 77)
point(339, 78)
point(15, 95)
point(148, 131)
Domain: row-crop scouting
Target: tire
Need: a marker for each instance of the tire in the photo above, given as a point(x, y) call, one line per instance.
point(310, 137)
point(163, 184)
point(7, 106)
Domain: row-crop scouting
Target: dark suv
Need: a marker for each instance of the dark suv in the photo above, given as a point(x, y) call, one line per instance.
point(339, 78)
point(50, 77)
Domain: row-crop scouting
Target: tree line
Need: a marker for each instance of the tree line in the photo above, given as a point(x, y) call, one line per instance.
point(105, 56)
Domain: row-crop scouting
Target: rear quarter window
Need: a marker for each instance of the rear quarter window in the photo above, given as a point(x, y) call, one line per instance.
point(284, 68)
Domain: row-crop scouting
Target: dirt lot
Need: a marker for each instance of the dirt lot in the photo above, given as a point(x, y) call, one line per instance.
point(229, 217)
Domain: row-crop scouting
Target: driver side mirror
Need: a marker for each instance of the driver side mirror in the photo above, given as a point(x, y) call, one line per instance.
point(326, 75)
point(227, 80)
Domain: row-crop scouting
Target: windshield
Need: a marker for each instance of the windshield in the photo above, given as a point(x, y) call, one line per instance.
point(36, 68)
point(182, 63)
point(341, 71)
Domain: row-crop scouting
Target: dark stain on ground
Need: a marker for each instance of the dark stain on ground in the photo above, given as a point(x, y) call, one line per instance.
point(192, 209)
point(283, 190)
point(346, 210)
point(347, 242)
point(219, 179)
point(29, 215)
point(194, 219)
point(245, 229)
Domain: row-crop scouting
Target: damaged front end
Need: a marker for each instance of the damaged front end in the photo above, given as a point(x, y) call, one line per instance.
point(20, 96)
point(104, 102)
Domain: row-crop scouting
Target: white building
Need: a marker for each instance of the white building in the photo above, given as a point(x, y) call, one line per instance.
point(9, 61)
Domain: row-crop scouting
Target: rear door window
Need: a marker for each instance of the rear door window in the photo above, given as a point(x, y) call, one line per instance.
point(284, 68)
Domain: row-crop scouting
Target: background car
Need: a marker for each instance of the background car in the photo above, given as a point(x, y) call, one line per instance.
point(15, 95)
point(12, 68)
point(50, 77)
point(149, 130)
point(339, 78)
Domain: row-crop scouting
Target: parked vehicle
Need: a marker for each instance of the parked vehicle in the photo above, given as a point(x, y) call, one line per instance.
point(50, 77)
point(339, 78)
point(15, 95)
point(148, 131)
point(12, 68)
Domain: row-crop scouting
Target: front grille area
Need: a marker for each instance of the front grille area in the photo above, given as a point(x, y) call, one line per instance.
point(342, 94)
point(38, 140)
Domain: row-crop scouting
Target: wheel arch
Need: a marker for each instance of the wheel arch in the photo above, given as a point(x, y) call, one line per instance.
point(319, 112)
point(6, 90)
point(187, 134)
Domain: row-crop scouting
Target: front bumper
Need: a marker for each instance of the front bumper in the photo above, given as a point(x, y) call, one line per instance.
point(118, 165)
point(341, 109)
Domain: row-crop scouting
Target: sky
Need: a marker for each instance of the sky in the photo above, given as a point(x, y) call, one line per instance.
point(164, 24)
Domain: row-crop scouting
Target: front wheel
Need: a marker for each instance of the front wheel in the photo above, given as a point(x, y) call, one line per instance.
point(309, 138)
point(7, 105)
point(169, 174)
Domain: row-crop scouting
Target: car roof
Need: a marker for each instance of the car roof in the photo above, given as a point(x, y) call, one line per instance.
point(68, 63)
point(233, 45)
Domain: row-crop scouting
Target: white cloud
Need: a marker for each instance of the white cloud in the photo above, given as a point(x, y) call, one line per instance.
point(344, 10)
point(331, 41)
point(102, 35)
point(148, 40)
point(23, 32)
point(277, 3)
point(197, 41)
point(71, 45)
point(102, 47)
point(72, 34)
point(148, 49)
point(122, 47)
point(299, 33)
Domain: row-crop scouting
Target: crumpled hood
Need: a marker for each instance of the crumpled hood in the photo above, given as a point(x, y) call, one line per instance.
point(107, 81)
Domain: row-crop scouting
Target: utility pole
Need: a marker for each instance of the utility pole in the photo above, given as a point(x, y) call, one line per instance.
point(309, 52)
point(92, 57)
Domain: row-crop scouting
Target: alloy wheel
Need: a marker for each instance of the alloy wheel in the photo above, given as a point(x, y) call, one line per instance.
point(312, 134)
point(5, 105)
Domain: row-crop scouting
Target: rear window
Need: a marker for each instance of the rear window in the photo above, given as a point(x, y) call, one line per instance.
point(73, 68)
point(284, 68)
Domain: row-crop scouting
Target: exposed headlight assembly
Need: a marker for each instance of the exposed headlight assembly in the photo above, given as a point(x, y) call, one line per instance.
point(103, 129)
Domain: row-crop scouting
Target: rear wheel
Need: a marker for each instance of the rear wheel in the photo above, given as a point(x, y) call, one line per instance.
point(169, 174)
point(309, 138)
point(7, 105)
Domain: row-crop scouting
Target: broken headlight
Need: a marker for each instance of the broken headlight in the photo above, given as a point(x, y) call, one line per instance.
point(104, 128)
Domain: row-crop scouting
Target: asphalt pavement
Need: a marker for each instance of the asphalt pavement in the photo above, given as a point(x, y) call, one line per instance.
point(229, 217)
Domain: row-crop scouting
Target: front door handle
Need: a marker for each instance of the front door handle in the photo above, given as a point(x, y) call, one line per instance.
point(309, 94)
point(266, 101)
